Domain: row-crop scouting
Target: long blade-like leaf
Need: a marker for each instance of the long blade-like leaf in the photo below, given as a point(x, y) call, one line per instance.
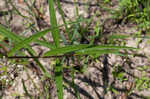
point(17, 38)
point(109, 47)
point(125, 36)
point(53, 22)
point(84, 48)
point(59, 78)
point(66, 49)
point(102, 49)
point(27, 41)
point(12, 36)
point(63, 18)
point(46, 44)
point(55, 34)
point(7, 33)
point(96, 52)
point(25, 89)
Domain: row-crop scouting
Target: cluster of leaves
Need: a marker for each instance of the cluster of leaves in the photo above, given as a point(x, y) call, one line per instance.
point(135, 10)
point(143, 81)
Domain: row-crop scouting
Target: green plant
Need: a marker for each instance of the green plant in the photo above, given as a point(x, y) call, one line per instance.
point(142, 83)
point(135, 10)
point(119, 74)
point(60, 50)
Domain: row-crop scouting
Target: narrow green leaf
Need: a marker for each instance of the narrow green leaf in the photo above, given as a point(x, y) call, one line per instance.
point(59, 78)
point(17, 38)
point(25, 89)
point(85, 48)
point(53, 22)
point(5, 44)
point(66, 49)
point(102, 49)
point(46, 44)
point(63, 18)
point(123, 36)
point(55, 35)
point(27, 41)
point(96, 52)
point(110, 47)
point(7, 33)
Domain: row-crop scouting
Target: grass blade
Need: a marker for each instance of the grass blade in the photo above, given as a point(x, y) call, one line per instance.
point(102, 49)
point(46, 44)
point(7, 33)
point(66, 49)
point(59, 79)
point(111, 47)
point(53, 22)
point(17, 38)
point(25, 89)
point(27, 41)
point(96, 52)
point(55, 34)
point(125, 36)
point(63, 18)
point(13, 36)
point(85, 49)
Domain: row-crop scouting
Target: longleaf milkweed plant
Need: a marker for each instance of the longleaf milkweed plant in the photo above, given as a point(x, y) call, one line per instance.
point(56, 50)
